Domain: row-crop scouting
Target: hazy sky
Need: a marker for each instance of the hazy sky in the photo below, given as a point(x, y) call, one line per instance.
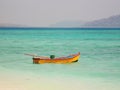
point(46, 12)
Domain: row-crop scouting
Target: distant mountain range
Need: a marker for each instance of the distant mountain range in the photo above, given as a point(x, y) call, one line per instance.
point(110, 22)
point(68, 24)
point(10, 25)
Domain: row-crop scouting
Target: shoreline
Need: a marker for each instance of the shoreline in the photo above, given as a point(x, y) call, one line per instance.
point(11, 80)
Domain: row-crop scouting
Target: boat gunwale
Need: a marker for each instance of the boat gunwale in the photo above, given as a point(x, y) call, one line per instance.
point(59, 58)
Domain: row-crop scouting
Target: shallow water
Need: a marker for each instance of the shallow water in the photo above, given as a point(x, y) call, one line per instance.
point(100, 50)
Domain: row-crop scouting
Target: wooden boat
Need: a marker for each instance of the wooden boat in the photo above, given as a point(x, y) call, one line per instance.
point(67, 59)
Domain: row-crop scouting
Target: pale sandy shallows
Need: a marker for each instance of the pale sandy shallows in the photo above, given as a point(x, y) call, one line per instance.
point(15, 81)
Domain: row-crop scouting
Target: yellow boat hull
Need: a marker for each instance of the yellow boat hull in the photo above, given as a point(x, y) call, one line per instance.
point(60, 60)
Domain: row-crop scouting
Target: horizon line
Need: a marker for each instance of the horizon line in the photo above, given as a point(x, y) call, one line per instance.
point(59, 27)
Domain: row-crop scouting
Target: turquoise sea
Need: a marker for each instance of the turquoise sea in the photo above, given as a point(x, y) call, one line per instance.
point(99, 48)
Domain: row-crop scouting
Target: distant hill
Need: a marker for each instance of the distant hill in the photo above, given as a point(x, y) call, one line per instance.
point(68, 24)
point(2, 25)
point(111, 22)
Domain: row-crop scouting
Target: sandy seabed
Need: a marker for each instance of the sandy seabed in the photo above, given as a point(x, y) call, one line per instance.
point(29, 81)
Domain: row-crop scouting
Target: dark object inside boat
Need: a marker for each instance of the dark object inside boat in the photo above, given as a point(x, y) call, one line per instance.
point(52, 56)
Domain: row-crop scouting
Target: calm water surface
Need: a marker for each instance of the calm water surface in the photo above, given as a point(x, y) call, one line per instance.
point(100, 52)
